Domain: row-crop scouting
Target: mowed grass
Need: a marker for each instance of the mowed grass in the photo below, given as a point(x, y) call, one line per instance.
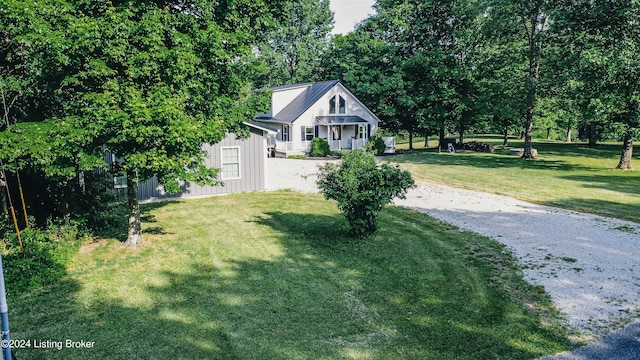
point(272, 276)
point(572, 176)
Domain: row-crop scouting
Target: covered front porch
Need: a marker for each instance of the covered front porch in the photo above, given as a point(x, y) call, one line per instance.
point(343, 132)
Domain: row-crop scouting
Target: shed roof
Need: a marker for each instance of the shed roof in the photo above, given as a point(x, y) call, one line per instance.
point(259, 126)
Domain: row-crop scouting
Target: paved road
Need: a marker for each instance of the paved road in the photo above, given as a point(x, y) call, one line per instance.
point(622, 345)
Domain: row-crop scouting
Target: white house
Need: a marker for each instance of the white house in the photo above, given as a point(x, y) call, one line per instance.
point(326, 109)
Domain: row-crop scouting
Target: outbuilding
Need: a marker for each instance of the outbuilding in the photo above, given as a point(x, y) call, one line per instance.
point(241, 162)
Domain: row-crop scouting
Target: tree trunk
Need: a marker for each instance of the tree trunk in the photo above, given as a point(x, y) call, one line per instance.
point(627, 153)
point(532, 81)
point(505, 137)
point(569, 131)
point(461, 138)
point(135, 225)
point(441, 142)
point(426, 139)
point(548, 133)
point(528, 152)
point(593, 141)
point(410, 139)
point(531, 99)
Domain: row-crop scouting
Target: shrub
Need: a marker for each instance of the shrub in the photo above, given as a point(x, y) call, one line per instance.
point(362, 188)
point(376, 145)
point(319, 147)
point(42, 261)
point(296, 156)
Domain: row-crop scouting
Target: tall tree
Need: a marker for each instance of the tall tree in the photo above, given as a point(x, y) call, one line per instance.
point(423, 53)
point(293, 51)
point(503, 71)
point(533, 17)
point(370, 67)
point(601, 40)
point(149, 81)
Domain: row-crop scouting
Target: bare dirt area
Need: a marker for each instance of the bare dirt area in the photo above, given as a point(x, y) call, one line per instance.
point(590, 265)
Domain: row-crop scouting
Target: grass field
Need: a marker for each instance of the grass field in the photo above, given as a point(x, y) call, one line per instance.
point(572, 176)
point(272, 276)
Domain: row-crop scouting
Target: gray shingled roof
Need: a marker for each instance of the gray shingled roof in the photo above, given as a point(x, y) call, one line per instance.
point(304, 101)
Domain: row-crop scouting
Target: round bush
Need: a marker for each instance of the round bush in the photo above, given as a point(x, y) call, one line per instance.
point(319, 147)
point(362, 188)
point(376, 145)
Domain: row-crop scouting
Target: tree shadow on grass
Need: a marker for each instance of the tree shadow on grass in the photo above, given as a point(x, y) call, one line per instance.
point(624, 182)
point(411, 294)
point(490, 161)
point(322, 231)
point(118, 224)
point(121, 331)
point(321, 295)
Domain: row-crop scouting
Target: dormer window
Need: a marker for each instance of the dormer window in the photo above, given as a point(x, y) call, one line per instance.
point(337, 105)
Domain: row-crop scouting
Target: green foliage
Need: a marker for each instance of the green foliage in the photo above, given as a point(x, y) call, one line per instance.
point(148, 81)
point(413, 291)
point(163, 81)
point(362, 188)
point(417, 64)
point(319, 147)
point(42, 261)
point(376, 145)
point(297, 156)
point(106, 215)
point(598, 45)
point(292, 52)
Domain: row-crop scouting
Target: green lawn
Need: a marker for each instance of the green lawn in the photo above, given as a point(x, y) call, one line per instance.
point(272, 276)
point(572, 176)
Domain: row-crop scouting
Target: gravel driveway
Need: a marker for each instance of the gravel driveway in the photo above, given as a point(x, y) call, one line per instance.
point(590, 265)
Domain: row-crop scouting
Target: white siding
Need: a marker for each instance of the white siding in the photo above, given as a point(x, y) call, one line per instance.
point(321, 108)
point(282, 98)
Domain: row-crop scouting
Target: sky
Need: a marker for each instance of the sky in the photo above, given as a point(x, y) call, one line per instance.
point(347, 13)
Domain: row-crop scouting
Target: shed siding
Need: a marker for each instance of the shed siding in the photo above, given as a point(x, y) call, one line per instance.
point(253, 153)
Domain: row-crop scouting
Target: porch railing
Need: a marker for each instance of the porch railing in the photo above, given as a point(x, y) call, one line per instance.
point(357, 144)
point(284, 146)
point(334, 145)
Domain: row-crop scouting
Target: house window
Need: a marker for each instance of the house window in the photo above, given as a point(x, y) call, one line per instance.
point(119, 179)
point(285, 133)
point(308, 133)
point(337, 105)
point(230, 163)
point(362, 131)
